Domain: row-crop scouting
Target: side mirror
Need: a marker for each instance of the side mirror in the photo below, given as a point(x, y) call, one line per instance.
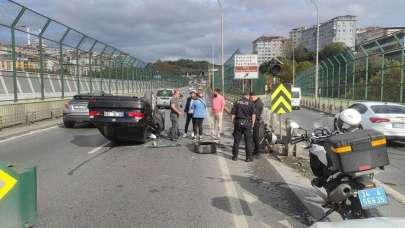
point(294, 125)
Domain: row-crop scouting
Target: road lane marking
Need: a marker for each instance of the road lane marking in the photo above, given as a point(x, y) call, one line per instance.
point(27, 134)
point(98, 148)
point(237, 213)
point(391, 192)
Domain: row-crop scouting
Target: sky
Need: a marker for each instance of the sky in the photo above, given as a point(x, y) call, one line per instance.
point(173, 29)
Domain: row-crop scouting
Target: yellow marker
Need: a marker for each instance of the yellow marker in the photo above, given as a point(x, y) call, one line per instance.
point(378, 142)
point(342, 149)
point(7, 183)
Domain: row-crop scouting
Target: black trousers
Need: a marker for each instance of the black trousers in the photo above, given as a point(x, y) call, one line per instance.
point(257, 137)
point(239, 131)
point(188, 120)
point(198, 126)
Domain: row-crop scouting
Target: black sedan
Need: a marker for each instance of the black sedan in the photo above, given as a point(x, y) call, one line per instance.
point(125, 119)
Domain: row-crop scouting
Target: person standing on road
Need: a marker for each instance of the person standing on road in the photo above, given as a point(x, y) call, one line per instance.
point(175, 113)
point(199, 111)
point(243, 117)
point(218, 105)
point(188, 112)
point(256, 127)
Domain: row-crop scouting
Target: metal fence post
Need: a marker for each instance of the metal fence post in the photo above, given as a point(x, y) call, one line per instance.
point(327, 77)
point(353, 72)
point(13, 52)
point(61, 63)
point(346, 72)
point(90, 66)
point(78, 64)
point(41, 59)
point(333, 76)
point(102, 66)
point(366, 84)
point(382, 71)
point(402, 45)
point(338, 85)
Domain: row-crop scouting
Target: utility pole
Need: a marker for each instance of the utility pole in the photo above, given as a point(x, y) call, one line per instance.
point(317, 49)
point(222, 47)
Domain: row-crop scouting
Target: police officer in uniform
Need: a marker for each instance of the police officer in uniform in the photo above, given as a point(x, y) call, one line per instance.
point(256, 127)
point(244, 117)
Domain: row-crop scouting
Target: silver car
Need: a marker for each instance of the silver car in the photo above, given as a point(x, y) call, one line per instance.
point(76, 111)
point(388, 118)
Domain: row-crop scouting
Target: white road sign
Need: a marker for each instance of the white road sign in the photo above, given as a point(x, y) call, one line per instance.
point(246, 67)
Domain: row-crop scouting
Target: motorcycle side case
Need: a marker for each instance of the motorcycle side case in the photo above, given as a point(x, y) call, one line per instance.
point(362, 155)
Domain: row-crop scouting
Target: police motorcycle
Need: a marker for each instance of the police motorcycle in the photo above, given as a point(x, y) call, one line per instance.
point(344, 161)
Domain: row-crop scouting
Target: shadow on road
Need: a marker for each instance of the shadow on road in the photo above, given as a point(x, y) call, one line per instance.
point(88, 140)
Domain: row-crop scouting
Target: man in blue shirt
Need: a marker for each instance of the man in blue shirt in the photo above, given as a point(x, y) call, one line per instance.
point(199, 111)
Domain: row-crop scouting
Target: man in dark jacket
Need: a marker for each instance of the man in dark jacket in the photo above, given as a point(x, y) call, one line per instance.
point(243, 117)
point(188, 112)
point(256, 128)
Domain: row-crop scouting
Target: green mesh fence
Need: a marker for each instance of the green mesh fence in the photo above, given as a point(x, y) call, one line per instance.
point(43, 58)
point(375, 71)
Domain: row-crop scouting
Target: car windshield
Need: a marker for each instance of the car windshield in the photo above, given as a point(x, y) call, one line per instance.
point(295, 95)
point(164, 93)
point(388, 109)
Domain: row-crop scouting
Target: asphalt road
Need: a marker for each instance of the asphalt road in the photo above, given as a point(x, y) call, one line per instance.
point(393, 175)
point(84, 181)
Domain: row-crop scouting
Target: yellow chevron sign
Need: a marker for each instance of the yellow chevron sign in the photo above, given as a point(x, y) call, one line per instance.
point(281, 100)
point(7, 183)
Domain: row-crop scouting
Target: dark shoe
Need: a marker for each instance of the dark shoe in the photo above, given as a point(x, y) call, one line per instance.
point(249, 159)
point(234, 158)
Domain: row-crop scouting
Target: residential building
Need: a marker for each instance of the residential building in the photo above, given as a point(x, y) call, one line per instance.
point(296, 36)
point(371, 33)
point(339, 29)
point(268, 47)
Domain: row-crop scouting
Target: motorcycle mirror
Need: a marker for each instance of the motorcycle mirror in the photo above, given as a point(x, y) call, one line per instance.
point(294, 125)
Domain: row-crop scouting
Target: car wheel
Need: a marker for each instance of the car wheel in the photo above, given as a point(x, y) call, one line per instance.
point(68, 124)
point(149, 97)
point(159, 122)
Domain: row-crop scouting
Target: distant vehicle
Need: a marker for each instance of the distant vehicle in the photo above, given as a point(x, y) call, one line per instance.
point(126, 119)
point(75, 110)
point(163, 97)
point(296, 98)
point(388, 118)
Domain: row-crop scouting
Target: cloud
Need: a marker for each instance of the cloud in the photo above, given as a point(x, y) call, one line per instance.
point(167, 29)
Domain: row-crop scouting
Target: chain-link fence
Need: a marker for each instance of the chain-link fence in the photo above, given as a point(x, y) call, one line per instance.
point(237, 86)
point(43, 58)
point(375, 71)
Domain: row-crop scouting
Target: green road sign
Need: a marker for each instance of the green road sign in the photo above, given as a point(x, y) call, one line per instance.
point(281, 99)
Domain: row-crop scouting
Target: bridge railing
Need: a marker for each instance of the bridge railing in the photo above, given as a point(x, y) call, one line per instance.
point(375, 71)
point(42, 58)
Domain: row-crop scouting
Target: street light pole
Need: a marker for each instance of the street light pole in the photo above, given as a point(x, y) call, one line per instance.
point(317, 49)
point(222, 46)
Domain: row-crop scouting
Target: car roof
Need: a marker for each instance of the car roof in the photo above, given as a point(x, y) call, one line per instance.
point(371, 103)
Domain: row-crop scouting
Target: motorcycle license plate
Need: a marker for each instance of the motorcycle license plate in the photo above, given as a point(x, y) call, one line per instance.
point(372, 197)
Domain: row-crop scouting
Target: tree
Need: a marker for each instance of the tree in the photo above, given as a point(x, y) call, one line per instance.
point(332, 49)
point(302, 54)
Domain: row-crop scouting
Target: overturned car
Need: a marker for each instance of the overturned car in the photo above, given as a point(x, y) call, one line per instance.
point(123, 119)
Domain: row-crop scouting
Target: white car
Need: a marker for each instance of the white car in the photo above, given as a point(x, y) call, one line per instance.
point(388, 118)
point(163, 97)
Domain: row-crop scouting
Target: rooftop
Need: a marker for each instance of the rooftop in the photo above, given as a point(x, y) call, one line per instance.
point(269, 38)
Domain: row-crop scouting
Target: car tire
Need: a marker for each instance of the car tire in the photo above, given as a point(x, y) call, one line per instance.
point(159, 121)
point(150, 98)
point(68, 124)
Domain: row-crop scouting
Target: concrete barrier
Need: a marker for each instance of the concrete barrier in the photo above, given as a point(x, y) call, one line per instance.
point(327, 105)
